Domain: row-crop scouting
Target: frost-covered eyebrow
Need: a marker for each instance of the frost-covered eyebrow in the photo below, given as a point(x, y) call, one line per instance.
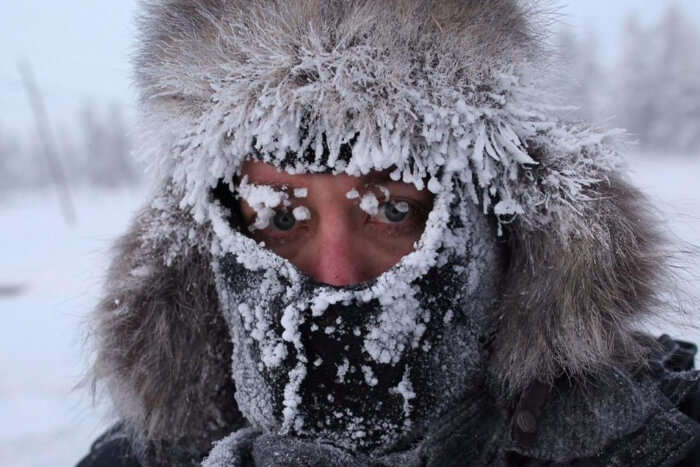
point(279, 181)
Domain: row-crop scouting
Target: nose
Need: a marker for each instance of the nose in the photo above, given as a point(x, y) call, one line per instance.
point(338, 259)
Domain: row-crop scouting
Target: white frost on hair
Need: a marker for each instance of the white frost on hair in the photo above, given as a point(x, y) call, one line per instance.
point(434, 185)
point(370, 204)
point(481, 120)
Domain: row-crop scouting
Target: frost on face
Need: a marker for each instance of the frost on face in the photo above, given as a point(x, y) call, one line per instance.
point(274, 311)
point(352, 194)
point(384, 191)
point(301, 213)
point(263, 199)
point(370, 204)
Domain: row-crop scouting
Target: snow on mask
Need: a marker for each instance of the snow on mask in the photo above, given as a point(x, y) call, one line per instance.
point(364, 366)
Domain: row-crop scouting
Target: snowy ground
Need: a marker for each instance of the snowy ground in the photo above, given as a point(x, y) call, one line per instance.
point(50, 276)
point(55, 271)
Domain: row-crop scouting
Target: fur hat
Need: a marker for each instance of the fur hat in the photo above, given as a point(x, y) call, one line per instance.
point(416, 85)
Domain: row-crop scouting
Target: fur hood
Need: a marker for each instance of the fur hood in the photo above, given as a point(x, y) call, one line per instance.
point(410, 82)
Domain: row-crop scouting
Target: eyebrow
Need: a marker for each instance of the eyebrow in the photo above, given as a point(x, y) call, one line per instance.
point(382, 176)
point(275, 182)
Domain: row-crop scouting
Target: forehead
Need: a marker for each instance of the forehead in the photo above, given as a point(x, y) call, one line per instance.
point(267, 174)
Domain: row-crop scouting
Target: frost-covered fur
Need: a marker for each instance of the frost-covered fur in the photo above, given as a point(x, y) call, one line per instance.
point(163, 349)
point(572, 307)
point(422, 82)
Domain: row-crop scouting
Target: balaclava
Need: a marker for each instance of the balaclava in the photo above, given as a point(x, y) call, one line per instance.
point(359, 366)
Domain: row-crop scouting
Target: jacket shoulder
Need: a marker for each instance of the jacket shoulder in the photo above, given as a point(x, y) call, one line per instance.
point(644, 418)
point(691, 405)
point(111, 449)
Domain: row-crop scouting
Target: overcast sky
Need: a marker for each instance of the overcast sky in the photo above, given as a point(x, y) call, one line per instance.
point(79, 49)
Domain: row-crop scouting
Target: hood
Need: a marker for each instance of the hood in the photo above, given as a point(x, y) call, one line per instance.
point(420, 87)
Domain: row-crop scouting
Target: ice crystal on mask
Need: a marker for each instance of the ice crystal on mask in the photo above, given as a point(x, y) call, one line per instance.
point(405, 390)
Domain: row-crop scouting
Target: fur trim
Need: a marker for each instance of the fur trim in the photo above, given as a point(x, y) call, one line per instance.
point(572, 307)
point(163, 350)
point(416, 85)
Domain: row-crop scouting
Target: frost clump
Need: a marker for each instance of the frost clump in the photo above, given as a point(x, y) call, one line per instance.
point(370, 379)
point(342, 370)
point(399, 326)
point(292, 399)
point(370, 204)
point(301, 192)
point(405, 390)
point(352, 194)
point(263, 199)
point(301, 213)
point(385, 191)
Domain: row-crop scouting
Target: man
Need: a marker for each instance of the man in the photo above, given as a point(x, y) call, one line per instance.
point(375, 243)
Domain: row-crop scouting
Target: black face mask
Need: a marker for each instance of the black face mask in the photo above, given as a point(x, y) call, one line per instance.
point(364, 367)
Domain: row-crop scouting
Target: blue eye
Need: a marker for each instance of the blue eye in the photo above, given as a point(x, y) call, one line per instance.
point(394, 211)
point(284, 220)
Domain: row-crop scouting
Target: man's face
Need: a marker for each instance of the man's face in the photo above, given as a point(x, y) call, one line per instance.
point(338, 229)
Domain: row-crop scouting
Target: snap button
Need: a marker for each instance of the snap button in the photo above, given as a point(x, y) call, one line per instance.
point(526, 421)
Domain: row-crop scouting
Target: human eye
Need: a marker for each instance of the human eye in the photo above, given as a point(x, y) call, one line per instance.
point(283, 221)
point(284, 226)
point(393, 212)
point(399, 218)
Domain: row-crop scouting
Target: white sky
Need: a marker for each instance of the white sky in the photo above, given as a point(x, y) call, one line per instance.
point(79, 49)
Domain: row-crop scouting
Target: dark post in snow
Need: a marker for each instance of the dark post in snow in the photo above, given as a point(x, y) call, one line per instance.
point(42, 124)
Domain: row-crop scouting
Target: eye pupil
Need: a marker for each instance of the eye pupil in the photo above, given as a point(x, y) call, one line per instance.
point(395, 213)
point(284, 220)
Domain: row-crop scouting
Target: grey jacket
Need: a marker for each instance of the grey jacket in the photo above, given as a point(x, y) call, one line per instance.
point(651, 418)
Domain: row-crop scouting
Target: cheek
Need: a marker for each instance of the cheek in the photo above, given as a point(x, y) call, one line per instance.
point(382, 252)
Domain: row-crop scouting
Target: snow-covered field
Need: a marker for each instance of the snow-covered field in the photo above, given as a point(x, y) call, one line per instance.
point(50, 276)
point(55, 271)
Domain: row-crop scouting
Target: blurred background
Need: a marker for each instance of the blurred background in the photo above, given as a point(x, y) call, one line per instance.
point(69, 183)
